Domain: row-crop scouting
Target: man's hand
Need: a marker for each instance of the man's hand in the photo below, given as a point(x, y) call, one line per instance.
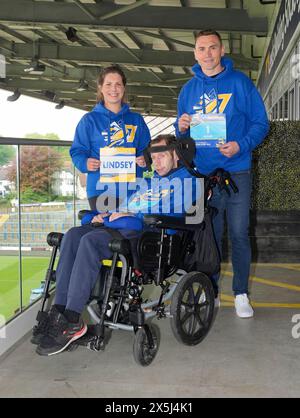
point(140, 161)
point(93, 164)
point(99, 218)
point(184, 122)
point(117, 215)
point(229, 149)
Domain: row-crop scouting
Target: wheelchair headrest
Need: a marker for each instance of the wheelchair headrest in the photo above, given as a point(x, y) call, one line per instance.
point(184, 148)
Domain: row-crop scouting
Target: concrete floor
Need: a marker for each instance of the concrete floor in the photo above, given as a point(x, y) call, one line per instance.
point(256, 357)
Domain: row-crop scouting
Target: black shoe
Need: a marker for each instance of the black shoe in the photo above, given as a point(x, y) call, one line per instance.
point(44, 320)
point(60, 335)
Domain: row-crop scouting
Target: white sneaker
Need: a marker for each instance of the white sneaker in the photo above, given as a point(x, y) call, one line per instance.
point(242, 306)
point(217, 302)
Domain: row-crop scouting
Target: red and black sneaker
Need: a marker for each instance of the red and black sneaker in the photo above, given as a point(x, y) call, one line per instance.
point(44, 319)
point(60, 335)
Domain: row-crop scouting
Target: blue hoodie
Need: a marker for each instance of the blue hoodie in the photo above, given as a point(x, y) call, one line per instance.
point(246, 118)
point(101, 128)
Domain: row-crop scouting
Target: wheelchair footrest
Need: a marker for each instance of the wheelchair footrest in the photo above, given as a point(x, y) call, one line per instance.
point(91, 340)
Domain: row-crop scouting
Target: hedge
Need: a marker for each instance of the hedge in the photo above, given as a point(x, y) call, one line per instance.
point(276, 168)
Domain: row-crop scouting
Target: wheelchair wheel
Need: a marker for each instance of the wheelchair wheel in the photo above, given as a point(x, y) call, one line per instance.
point(142, 353)
point(192, 308)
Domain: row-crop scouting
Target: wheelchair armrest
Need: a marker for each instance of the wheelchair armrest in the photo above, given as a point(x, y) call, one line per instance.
point(169, 222)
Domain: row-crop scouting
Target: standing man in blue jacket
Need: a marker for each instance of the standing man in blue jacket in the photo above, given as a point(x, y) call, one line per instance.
point(218, 88)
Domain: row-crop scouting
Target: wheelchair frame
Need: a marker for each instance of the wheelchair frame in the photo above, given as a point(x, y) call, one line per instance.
point(185, 303)
point(124, 286)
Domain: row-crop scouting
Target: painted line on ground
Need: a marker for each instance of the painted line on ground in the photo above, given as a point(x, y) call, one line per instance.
point(287, 266)
point(228, 301)
point(268, 282)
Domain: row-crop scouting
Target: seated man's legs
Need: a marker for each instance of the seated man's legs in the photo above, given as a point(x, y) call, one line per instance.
point(92, 249)
point(68, 327)
point(68, 251)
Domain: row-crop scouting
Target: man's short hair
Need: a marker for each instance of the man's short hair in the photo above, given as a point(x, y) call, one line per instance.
point(208, 32)
point(167, 138)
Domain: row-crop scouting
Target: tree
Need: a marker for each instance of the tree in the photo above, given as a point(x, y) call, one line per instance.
point(38, 164)
point(52, 136)
point(7, 153)
point(36, 135)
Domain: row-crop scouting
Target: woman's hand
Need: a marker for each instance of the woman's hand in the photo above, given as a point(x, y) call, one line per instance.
point(140, 161)
point(93, 164)
point(117, 215)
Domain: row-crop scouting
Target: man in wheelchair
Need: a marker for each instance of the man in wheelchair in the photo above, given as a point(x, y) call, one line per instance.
point(83, 248)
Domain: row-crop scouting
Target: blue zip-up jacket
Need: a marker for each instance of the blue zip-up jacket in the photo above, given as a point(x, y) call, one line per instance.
point(172, 195)
point(233, 93)
point(103, 128)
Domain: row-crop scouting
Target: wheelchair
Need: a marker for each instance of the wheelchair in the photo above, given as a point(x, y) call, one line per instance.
point(117, 301)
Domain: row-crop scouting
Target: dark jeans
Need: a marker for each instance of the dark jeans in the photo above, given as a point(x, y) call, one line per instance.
point(81, 252)
point(237, 208)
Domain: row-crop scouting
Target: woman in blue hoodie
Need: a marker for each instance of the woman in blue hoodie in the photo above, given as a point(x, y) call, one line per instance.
point(218, 88)
point(109, 124)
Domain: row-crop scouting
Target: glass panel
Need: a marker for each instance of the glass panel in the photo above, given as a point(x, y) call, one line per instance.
point(80, 193)
point(46, 184)
point(46, 204)
point(9, 236)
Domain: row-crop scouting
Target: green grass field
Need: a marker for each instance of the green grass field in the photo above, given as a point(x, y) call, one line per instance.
point(33, 271)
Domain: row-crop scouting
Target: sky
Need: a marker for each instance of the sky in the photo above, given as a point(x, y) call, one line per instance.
point(28, 115)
